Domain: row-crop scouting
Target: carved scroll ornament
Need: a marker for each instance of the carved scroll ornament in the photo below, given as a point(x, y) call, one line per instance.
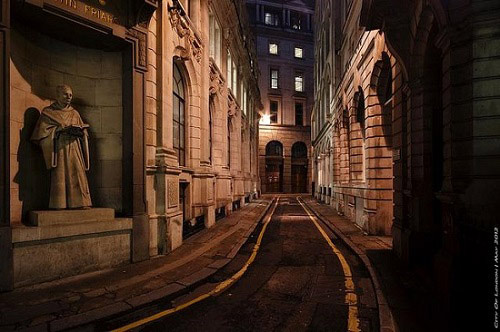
point(216, 81)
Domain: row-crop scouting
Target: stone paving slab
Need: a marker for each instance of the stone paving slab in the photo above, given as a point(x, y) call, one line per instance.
point(79, 300)
point(157, 294)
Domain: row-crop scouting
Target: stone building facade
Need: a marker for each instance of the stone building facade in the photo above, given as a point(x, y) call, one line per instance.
point(352, 125)
point(169, 89)
point(404, 135)
point(283, 32)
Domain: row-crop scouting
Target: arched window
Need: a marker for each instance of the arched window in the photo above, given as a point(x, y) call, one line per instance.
point(228, 142)
point(210, 123)
point(360, 109)
point(384, 85)
point(345, 119)
point(274, 148)
point(299, 150)
point(179, 104)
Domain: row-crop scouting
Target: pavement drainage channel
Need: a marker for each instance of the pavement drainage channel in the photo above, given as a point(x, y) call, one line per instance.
point(184, 296)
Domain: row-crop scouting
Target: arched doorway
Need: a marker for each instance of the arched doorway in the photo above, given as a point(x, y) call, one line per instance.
point(299, 168)
point(274, 167)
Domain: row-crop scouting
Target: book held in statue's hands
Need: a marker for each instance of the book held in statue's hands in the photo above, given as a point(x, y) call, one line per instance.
point(76, 130)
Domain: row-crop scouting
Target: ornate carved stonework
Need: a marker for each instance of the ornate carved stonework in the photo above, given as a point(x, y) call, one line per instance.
point(232, 108)
point(216, 81)
point(193, 43)
point(196, 47)
point(141, 47)
point(173, 193)
point(180, 25)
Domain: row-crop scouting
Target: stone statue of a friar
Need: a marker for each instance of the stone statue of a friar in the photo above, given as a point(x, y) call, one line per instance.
point(63, 138)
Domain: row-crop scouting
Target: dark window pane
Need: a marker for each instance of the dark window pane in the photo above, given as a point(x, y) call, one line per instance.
point(299, 114)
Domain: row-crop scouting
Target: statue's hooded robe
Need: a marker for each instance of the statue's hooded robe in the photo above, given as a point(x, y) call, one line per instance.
point(66, 156)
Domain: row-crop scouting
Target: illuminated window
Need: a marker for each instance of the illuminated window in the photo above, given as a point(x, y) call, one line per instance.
point(271, 19)
point(275, 78)
point(299, 52)
point(273, 48)
point(299, 82)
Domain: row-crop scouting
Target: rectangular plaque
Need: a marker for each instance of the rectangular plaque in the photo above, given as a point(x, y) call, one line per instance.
point(173, 193)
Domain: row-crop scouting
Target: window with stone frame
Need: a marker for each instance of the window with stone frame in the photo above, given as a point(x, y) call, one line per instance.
point(245, 99)
point(234, 86)
point(296, 21)
point(384, 86)
point(275, 76)
point(215, 40)
point(360, 109)
point(298, 52)
point(179, 115)
point(299, 150)
point(273, 111)
point(273, 48)
point(274, 149)
point(299, 114)
point(299, 82)
point(272, 17)
point(211, 109)
point(229, 68)
point(345, 119)
point(228, 161)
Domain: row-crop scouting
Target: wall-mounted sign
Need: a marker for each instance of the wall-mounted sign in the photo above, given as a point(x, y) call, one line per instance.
point(107, 12)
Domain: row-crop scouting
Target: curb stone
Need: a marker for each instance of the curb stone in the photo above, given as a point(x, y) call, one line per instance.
point(386, 320)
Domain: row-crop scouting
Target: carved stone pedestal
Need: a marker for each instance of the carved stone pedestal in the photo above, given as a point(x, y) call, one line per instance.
point(64, 217)
point(69, 242)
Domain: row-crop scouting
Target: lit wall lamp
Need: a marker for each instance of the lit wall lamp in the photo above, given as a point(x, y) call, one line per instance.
point(265, 119)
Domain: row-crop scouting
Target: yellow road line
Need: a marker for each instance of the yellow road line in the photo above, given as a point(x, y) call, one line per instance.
point(220, 287)
point(351, 299)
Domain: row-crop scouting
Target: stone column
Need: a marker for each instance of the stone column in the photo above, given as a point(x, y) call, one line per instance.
point(138, 166)
point(168, 208)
